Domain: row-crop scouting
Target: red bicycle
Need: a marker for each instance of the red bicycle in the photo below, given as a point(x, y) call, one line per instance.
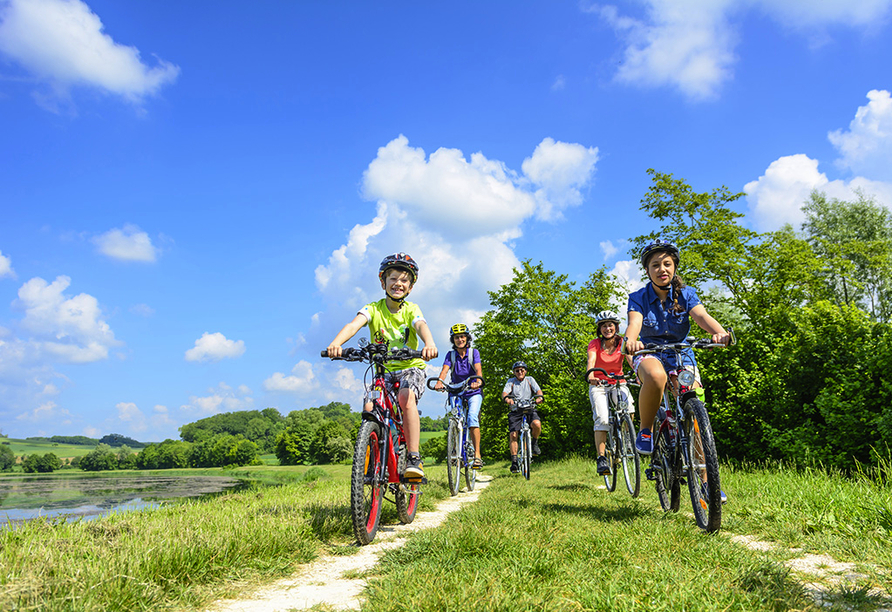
point(379, 458)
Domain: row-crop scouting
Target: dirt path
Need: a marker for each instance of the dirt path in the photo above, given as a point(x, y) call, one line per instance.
point(323, 581)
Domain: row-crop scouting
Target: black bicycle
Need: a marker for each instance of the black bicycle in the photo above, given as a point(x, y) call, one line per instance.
point(460, 450)
point(379, 457)
point(620, 448)
point(525, 437)
point(683, 442)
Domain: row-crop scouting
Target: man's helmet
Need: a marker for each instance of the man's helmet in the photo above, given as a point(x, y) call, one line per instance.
point(519, 364)
point(457, 330)
point(657, 246)
point(400, 261)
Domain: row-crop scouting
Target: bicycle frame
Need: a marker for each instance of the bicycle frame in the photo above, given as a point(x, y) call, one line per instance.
point(457, 409)
point(619, 448)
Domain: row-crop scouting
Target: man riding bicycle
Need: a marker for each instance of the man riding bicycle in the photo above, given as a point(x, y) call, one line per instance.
point(521, 389)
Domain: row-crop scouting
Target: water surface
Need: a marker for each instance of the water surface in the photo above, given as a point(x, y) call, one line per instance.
point(94, 495)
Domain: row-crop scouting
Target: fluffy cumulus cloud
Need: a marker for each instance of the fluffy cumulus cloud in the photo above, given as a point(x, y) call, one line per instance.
point(6, 266)
point(777, 196)
point(222, 398)
point(214, 347)
point(127, 244)
point(690, 44)
point(62, 43)
point(68, 328)
point(302, 379)
point(47, 414)
point(457, 215)
point(866, 147)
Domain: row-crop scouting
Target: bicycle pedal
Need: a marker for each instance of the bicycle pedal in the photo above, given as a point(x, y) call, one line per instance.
point(413, 481)
point(649, 472)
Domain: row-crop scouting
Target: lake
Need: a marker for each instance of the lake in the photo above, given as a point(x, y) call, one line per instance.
point(92, 495)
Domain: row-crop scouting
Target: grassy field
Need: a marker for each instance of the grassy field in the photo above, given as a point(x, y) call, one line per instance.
point(29, 447)
point(556, 542)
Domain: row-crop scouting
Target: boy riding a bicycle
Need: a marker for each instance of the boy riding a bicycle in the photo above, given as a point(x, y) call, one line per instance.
point(400, 324)
point(521, 388)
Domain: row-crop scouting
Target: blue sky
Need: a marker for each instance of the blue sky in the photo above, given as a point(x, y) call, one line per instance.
point(195, 196)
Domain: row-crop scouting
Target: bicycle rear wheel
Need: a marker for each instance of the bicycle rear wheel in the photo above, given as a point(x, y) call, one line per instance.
point(366, 483)
point(407, 494)
point(612, 454)
point(526, 453)
point(628, 454)
point(453, 455)
point(702, 467)
point(470, 473)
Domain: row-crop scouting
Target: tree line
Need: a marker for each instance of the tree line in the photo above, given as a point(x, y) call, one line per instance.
point(807, 382)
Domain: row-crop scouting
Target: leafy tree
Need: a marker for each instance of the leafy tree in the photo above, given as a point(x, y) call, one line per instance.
point(294, 445)
point(7, 458)
point(332, 444)
point(435, 448)
point(855, 241)
point(41, 463)
point(117, 440)
point(100, 458)
point(164, 455)
point(261, 427)
point(126, 458)
point(545, 320)
point(223, 450)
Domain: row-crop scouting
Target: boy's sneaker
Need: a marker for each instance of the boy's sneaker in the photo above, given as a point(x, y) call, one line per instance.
point(603, 466)
point(644, 443)
point(514, 467)
point(414, 467)
point(536, 447)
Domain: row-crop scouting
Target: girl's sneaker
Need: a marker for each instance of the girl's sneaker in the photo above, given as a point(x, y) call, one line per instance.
point(603, 466)
point(644, 443)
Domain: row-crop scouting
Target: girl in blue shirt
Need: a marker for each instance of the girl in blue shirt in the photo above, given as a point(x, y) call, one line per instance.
point(660, 313)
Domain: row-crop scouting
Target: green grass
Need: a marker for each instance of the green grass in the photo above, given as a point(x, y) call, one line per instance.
point(29, 447)
point(427, 435)
point(556, 542)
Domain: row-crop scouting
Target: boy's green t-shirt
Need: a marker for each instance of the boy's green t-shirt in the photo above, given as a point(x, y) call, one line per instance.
point(391, 328)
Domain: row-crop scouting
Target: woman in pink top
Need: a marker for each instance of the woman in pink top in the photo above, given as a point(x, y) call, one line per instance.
point(605, 352)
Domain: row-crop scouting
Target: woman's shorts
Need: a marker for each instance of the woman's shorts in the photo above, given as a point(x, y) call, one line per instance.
point(671, 362)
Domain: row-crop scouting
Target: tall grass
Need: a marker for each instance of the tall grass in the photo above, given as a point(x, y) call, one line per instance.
point(177, 556)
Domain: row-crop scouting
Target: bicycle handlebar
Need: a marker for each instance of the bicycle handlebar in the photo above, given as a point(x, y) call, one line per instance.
point(372, 351)
point(690, 342)
point(454, 388)
point(616, 378)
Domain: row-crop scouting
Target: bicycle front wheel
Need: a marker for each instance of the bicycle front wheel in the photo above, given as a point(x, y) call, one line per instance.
point(702, 467)
point(628, 455)
point(453, 455)
point(526, 455)
point(367, 482)
point(407, 494)
point(610, 451)
point(470, 473)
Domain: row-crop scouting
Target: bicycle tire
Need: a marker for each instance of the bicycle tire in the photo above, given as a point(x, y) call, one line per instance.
point(702, 458)
point(470, 472)
point(629, 457)
point(453, 456)
point(610, 451)
point(366, 483)
point(526, 453)
point(667, 484)
point(406, 496)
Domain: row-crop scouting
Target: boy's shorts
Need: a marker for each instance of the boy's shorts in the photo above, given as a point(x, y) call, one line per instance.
point(410, 378)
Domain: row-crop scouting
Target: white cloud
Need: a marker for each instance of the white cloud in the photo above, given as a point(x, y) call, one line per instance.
point(69, 328)
point(62, 43)
point(127, 244)
point(48, 412)
point(301, 380)
point(559, 83)
point(608, 248)
point(129, 415)
point(629, 274)
point(690, 44)
point(223, 398)
point(866, 148)
point(777, 197)
point(6, 266)
point(214, 347)
point(560, 170)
